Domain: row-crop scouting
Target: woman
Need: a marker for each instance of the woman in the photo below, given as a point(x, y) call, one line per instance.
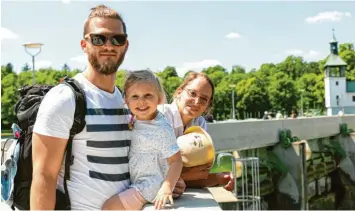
point(191, 99)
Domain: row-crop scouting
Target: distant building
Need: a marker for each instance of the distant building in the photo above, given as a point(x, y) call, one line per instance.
point(339, 92)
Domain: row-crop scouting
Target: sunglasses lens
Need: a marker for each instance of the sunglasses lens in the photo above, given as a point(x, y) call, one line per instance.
point(119, 40)
point(98, 40)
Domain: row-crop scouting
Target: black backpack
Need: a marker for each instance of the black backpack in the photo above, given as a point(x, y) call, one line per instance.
point(26, 112)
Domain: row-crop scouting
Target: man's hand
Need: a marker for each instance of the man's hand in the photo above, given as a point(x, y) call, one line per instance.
point(226, 179)
point(179, 188)
point(195, 173)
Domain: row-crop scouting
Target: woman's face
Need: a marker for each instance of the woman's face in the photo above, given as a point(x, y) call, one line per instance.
point(194, 98)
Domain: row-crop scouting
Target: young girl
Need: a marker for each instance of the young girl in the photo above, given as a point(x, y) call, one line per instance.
point(154, 159)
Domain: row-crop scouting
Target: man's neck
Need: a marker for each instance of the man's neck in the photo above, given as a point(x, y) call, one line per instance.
point(101, 81)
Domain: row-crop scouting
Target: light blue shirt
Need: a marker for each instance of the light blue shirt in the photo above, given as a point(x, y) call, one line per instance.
point(172, 114)
point(153, 142)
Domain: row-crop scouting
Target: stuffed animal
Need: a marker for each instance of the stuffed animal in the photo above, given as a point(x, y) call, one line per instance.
point(196, 147)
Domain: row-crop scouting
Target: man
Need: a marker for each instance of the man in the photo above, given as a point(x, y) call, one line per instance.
point(100, 165)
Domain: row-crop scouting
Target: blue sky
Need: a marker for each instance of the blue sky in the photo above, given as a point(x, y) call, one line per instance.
point(184, 34)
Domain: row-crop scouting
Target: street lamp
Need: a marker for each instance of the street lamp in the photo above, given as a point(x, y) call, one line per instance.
point(37, 47)
point(302, 90)
point(233, 106)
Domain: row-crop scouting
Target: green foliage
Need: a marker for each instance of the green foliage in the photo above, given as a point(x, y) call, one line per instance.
point(171, 81)
point(284, 86)
point(8, 99)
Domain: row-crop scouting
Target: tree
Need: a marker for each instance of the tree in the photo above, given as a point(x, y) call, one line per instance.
point(7, 69)
point(347, 53)
point(26, 68)
point(170, 85)
point(238, 69)
point(8, 99)
point(293, 66)
point(282, 92)
point(65, 67)
point(216, 73)
point(307, 87)
point(168, 72)
point(252, 97)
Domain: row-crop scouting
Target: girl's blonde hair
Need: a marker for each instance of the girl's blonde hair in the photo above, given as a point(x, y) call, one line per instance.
point(145, 76)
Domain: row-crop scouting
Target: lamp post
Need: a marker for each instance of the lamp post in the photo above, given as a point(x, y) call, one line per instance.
point(33, 46)
point(233, 106)
point(302, 90)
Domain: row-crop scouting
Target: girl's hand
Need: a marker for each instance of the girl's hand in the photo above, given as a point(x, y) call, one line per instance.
point(164, 194)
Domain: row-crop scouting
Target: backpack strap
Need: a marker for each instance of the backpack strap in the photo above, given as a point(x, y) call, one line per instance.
point(78, 125)
point(118, 87)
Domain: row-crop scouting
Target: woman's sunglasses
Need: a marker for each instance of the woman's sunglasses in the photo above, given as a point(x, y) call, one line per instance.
point(100, 40)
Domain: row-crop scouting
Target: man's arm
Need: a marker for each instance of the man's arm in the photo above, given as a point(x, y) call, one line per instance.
point(47, 157)
point(196, 172)
point(223, 178)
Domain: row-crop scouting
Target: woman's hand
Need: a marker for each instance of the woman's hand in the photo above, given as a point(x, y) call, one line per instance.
point(179, 188)
point(195, 173)
point(226, 179)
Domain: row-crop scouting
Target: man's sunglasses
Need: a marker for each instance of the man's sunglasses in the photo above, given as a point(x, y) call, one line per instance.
point(100, 40)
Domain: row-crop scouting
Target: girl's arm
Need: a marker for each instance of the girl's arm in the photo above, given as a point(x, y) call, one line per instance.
point(166, 190)
point(174, 172)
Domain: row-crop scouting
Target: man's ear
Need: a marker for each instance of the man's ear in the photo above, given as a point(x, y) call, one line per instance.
point(83, 45)
point(126, 47)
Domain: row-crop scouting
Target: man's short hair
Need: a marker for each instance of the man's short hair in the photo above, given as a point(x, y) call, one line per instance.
point(102, 11)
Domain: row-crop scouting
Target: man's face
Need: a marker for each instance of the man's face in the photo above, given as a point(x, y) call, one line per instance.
point(105, 44)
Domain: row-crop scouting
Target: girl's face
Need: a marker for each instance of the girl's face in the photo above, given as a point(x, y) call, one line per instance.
point(142, 99)
point(194, 98)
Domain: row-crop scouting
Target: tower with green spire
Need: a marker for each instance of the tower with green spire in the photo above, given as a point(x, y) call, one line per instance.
point(335, 65)
point(336, 96)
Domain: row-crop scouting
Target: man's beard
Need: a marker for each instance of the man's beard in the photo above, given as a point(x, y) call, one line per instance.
point(108, 67)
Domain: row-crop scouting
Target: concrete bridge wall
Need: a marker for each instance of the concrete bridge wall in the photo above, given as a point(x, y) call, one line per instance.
point(243, 135)
point(315, 170)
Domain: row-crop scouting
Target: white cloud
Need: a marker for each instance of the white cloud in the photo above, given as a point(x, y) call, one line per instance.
point(66, 1)
point(7, 34)
point(41, 64)
point(295, 52)
point(233, 35)
point(312, 54)
point(330, 16)
point(196, 66)
point(308, 55)
point(80, 58)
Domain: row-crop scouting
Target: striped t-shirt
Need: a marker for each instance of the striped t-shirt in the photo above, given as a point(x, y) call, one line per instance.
point(100, 168)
